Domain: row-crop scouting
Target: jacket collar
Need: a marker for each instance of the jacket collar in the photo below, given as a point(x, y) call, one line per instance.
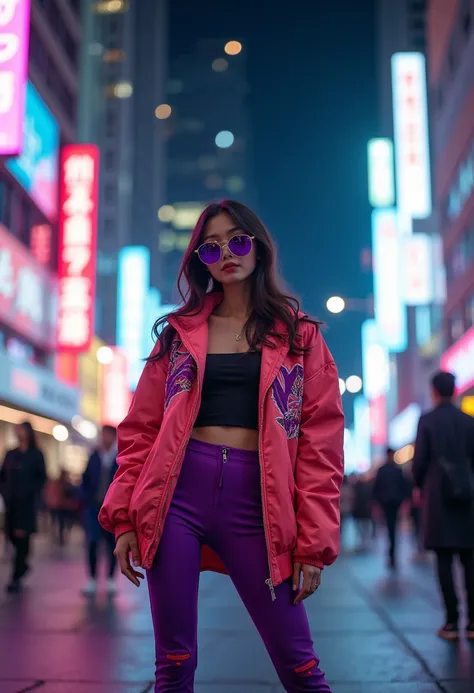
point(189, 323)
point(193, 331)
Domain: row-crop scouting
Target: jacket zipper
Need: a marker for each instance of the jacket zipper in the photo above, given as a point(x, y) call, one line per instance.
point(224, 462)
point(268, 581)
point(179, 455)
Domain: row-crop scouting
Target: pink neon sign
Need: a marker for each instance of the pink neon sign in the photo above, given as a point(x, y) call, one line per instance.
point(14, 37)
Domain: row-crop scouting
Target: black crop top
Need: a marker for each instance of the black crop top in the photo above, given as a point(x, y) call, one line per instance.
point(230, 391)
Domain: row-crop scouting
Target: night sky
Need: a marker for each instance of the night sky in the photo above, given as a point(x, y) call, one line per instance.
point(313, 107)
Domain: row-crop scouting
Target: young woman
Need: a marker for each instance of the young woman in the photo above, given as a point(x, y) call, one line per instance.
point(22, 477)
point(230, 458)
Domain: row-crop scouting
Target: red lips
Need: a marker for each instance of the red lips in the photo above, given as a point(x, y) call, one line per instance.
point(229, 266)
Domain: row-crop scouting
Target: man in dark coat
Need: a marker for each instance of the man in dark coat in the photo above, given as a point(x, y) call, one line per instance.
point(22, 477)
point(391, 489)
point(443, 468)
point(96, 480)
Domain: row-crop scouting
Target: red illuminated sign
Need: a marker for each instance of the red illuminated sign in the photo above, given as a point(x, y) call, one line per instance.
point(27, 293)
point(77, 246)
point(116, 394)
point(378, 420)
point(459, 359)
point(40, 243)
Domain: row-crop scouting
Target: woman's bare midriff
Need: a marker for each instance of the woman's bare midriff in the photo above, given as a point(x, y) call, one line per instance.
point(242, 438)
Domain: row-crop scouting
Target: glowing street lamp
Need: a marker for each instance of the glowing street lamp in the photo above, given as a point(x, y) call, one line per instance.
point(105, 355)
point(354, 384)
point(335, 304)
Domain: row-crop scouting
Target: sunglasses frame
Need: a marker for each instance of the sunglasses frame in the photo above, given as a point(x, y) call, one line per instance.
point(222, 246)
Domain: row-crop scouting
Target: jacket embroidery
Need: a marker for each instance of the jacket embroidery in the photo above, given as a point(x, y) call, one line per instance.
point(287, 393)
point(181, 373)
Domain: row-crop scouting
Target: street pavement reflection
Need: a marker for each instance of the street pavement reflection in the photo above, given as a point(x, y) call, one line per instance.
point(372, 631)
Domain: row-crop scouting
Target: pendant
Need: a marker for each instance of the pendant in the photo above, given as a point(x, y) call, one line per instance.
point(238, 337)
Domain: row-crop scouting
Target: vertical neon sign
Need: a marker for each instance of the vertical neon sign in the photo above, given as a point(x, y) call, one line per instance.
point(14, 37)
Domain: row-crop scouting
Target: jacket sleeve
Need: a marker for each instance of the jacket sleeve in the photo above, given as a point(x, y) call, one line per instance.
point(320, 460)
point(422, 456)
point(135, 438)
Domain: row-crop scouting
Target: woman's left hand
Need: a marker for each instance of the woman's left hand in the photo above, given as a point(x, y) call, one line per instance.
point(311, 580)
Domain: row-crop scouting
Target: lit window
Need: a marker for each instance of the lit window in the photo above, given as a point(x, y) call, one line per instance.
point(111, 7)
point(166, 213)
point(233, 47)
point(120, 90)
point(220, 65)
point(224, 139)
point(163, 111)
point(114, 56)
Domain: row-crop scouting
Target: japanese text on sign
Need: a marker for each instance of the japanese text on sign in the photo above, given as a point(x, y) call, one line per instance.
point(77, 260)
point(410, 115)
point(14, 26)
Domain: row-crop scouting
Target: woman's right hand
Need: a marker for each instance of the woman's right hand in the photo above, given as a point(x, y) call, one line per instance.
point(128, 544)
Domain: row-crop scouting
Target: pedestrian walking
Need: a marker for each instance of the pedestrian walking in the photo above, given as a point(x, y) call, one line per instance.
point(233, 445)
point(62, 502)
point(96, 480)
point(346, 507)
point(22, 477)
point(443, 468)
point(390, 490)
point(362, 512)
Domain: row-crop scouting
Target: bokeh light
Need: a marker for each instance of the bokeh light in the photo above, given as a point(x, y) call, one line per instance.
point(224, 139)
point(60, 433)
point(220, 65)
point(163, 111)
point(354, 384)
point(105, 355)
point(233, 47)
point(335, 304)
point(342, 386)
point(166, 213)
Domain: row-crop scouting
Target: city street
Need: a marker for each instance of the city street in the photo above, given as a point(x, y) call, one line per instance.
point(373, 633)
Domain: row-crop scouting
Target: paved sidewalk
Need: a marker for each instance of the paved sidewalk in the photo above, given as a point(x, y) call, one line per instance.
point(374, 634)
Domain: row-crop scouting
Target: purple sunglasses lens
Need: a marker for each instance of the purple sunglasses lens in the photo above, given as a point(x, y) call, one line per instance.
point(209, 253)
point(240, 246)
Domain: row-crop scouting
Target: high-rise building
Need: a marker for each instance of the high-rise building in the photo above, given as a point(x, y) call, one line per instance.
point(403, 119)
point(123, 81)
point(209, 143)
point(451, 80)
point(38, 116)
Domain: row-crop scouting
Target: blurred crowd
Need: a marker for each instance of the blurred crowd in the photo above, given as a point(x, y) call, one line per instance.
point(32, 502)
point(383, 499)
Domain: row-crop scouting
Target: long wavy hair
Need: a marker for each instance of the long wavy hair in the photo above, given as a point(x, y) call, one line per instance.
point(269, 301)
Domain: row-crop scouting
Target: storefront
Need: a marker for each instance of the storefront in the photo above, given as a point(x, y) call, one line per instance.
point(459, 359)
point(32, 393)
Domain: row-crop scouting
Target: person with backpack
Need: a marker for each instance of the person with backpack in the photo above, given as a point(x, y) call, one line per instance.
point(391, 489)
point(443, 467)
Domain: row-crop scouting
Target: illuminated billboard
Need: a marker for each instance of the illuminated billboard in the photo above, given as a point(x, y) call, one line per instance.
point(77, 246)
point(362, 432)
point(116, 396)
point(410, 119)
point(417, 270)
point(14, 43)
point(375, 361)
point(390, 311)
point(459, 359)
point(133, 284)
point(381, 176)
point(36, 168)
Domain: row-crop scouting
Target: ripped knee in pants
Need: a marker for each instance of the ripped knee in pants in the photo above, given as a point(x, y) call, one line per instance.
point(178, 659)
point(307, 669)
